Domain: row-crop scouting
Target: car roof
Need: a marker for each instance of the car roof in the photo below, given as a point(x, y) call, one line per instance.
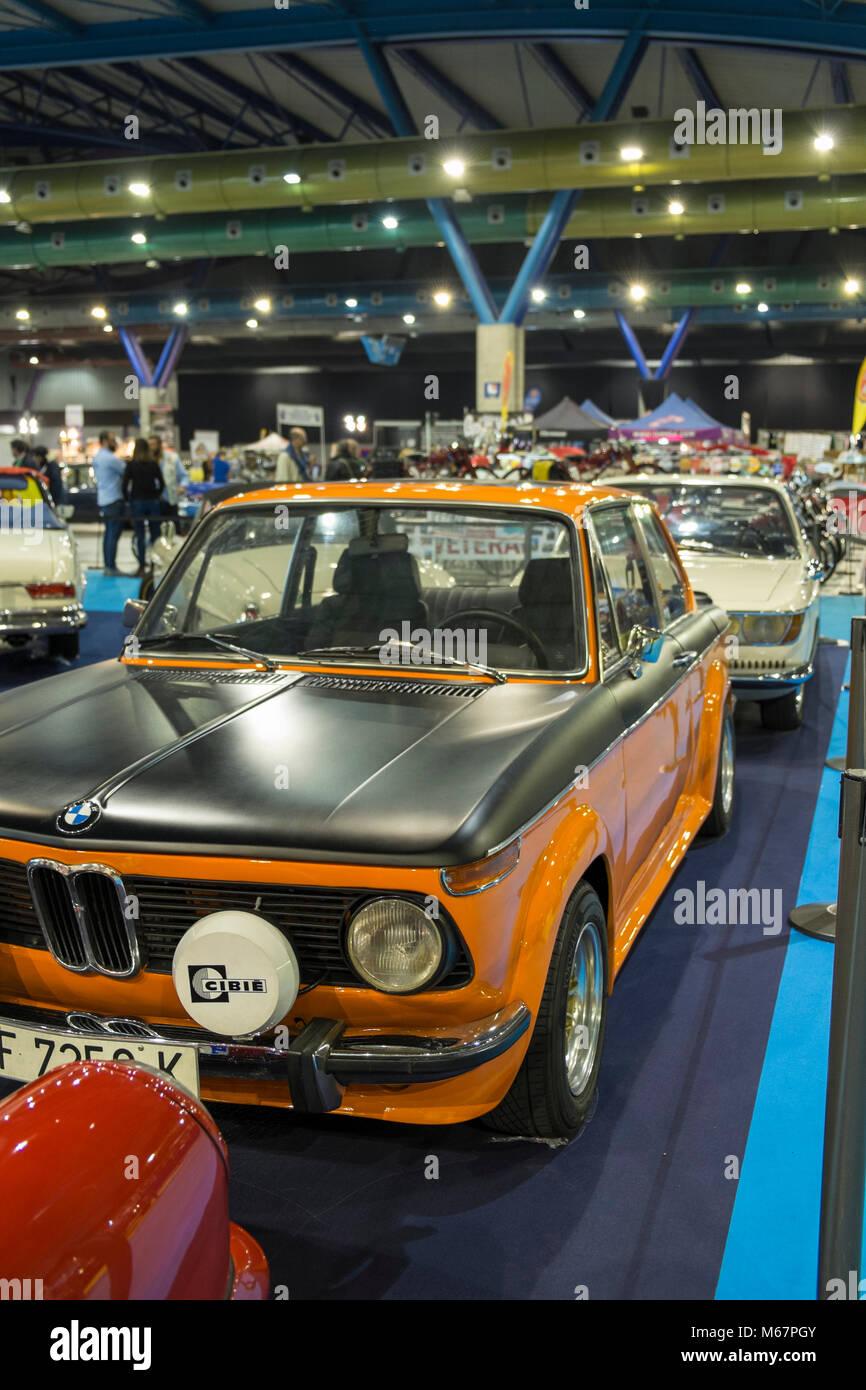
point(623, 480)
point(569, 498)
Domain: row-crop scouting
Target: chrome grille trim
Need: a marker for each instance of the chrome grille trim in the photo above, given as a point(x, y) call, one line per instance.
point(85, 924)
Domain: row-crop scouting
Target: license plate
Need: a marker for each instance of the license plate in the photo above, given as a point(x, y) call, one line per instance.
point(28, 1053)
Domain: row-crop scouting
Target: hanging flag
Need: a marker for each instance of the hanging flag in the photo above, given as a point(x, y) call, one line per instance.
point(507, 372)
point(860, 401)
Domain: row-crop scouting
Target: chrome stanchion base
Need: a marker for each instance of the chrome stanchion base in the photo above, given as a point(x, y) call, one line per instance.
point(837, 764)
point(815, 919)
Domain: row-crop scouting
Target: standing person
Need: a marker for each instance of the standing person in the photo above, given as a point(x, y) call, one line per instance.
point(22, 455)
point(346, 462)
point(174, 473)
point(143, 485)
point(51, 468)
point(286, 469)
point(298, 452)
point(109, 497)
point(220, 469)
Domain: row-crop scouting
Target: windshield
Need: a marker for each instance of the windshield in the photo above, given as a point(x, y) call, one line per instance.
point(739, 520)
point(433, 585)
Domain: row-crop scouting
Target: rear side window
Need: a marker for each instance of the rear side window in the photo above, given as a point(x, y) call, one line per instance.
point(634, 600)
point(666, 568)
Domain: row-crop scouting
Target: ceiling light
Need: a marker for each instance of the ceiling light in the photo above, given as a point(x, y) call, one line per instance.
point(539, 295)
point(152, 265)
point(5, 197)
point(579, 314)
point(763, 308)
point(291, 178)
point(676, 208)
point(252, 323)
point(140, 190)
point(408, 318)
point(824, 142)
point(743, 287)
point(351, 303)
point(22, 314)
point(181, 307)
point(442, 298)
point(390, 222)
point(852, 286)
point(97, 312)
point(455, 168)
point(263, 306)
point(638, 291)
point(631, 153)
point(34, 361)
point(138, 239)
point(108, 328)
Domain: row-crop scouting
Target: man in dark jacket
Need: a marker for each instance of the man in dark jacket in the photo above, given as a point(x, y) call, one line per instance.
point(346, 463)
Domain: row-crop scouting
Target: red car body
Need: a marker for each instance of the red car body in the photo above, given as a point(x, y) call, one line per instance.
point(114, 1185)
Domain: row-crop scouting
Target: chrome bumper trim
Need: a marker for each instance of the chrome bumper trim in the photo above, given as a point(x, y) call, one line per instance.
point(41, 622)
point(321, 1055)
point(796, 675)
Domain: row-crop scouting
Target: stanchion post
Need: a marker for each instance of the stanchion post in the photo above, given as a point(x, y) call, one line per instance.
point(819, 919)
point(841, 1235)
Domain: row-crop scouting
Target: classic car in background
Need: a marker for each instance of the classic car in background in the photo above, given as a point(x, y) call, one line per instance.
point(388, 841)
point(741, 544)
point(41, 577)
point(115, 1186)
point(79, 486)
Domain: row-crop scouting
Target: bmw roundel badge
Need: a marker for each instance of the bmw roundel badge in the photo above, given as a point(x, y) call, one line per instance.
point(81, 815)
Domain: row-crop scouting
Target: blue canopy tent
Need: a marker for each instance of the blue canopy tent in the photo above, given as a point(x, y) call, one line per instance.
point(675, 420)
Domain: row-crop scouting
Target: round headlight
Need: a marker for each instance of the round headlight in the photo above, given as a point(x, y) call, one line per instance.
point(394, 945)
point(766, 629)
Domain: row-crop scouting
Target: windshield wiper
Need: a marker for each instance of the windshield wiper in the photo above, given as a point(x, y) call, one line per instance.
point(163, 639)
point(491, 671)
point(692, 544)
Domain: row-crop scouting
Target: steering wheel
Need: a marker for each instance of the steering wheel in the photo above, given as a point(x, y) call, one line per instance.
point(491, 615)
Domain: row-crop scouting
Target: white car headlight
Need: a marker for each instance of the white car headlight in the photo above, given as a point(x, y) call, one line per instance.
point(394, 945)
point(766, 629)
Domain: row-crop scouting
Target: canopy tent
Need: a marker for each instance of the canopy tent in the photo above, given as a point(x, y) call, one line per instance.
point(271, 444)
point(677, 419)
point(567, 418)
point(590, 408)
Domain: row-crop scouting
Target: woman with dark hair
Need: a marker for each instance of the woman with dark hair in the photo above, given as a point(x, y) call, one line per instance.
point(142, 488)
point(51, 469)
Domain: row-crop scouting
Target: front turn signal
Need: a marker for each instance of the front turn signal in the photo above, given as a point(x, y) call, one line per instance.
point(474, 878)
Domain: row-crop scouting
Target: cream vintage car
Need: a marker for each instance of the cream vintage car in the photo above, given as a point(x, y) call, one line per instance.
point(41, 578)
point(741, 544)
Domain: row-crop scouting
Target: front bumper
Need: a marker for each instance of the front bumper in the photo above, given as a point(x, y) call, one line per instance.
point(321, 1060)
point(750, 683)
point(44, 622)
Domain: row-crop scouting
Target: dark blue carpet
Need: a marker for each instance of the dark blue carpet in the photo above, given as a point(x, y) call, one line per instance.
point(101, 638)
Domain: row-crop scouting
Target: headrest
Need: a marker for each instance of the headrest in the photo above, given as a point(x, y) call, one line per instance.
point(546, 582)
point(379, 545)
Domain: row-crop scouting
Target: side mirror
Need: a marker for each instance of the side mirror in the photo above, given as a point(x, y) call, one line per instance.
point(132, 611)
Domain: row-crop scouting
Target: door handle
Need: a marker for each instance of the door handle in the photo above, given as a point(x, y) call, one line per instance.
point(685, 659)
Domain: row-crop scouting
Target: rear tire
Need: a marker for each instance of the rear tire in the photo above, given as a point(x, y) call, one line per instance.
point(65, 645)
point(554, 1091)
point(786, 713)
point(722, 809)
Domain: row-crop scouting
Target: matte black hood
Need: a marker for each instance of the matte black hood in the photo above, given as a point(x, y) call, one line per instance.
point(397, 769)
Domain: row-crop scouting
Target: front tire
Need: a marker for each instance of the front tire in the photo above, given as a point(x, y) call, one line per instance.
point(786, 713)
point(722, 809)
point(65, 644)
point(552, 1095)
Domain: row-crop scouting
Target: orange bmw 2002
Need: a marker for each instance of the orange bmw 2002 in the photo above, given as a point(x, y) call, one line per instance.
point(372, 806)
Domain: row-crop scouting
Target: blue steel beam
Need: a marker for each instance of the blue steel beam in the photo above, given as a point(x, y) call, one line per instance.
point(549, 234)
point(837, 32)
point(465, 105)
point(563, 77)
point(633, 345)
point(137, 103)
point(697, 75)
point(671, 352)
point(179, 90)
point(170, 355)
point(132, 348)
point(452, 233)
point(842, 92)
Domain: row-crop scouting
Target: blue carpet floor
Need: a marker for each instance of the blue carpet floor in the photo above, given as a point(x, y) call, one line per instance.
point(704, 1065)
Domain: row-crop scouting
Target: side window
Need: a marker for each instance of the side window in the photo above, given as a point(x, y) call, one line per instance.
point(609, 648)
point(634, 601)
point(666, 568)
